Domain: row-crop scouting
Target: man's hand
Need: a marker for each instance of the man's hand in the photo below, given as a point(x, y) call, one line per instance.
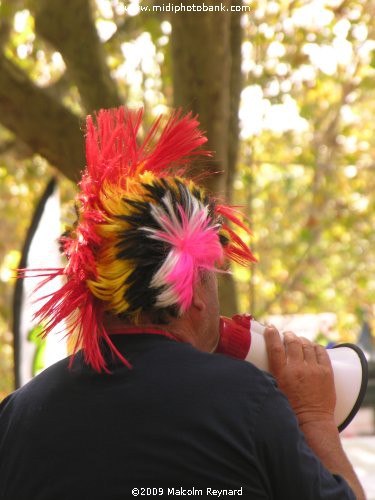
point(304, 373)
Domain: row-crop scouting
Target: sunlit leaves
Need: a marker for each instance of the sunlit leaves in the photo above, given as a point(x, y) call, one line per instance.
point(306, 167)
point(318, 225)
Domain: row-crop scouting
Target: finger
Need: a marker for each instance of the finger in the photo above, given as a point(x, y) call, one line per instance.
point(275, 350)
point(293, 347)
point(308, 349)
point(322, 356)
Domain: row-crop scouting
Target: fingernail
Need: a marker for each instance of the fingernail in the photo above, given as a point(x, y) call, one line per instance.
point(289, 335)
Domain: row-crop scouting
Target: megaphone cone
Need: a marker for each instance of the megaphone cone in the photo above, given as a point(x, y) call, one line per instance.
point(244, 339)
point(350, 370)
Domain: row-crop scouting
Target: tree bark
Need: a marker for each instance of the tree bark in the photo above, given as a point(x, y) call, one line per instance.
point(228, 294)
point(206, 55)
point(40, 121)
point(69, 26)
point(200, 44)
point(37, 116)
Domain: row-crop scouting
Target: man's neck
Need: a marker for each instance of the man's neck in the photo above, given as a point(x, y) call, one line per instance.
point(179, 328)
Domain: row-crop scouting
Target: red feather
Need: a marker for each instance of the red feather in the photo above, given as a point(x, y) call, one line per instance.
point(230, 214)
point(177, 144)
point(236, 249)
point(113, 155)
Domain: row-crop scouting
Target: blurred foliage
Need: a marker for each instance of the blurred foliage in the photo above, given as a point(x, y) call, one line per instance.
point(23, 181)
point(306, 169)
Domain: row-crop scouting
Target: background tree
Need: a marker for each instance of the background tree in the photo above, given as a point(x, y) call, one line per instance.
point(44, 112)
point(301, 159)
point(308, 158)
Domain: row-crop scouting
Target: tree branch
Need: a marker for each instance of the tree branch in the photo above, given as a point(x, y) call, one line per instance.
point(42, 122)
point(69, 26)
point(15, 148)
point(129, 29)
point(7, 146)
point(58, 89)
point(132, 26)
point(7, 10)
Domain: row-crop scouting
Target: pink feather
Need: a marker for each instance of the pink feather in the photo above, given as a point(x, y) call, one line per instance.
point(195, 245)
point(113, 155)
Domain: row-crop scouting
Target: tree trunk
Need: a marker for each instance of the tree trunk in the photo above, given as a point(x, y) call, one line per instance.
point(201, 58)
point(206, 52)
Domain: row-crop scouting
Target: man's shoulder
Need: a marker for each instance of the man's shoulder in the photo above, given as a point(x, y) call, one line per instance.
point(41, 383)
point(232, 375)
point(228, 365)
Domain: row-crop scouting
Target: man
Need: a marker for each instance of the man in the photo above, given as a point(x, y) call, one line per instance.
point(144, 406)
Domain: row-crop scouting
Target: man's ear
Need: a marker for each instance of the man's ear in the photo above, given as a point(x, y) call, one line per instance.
point(198, 293)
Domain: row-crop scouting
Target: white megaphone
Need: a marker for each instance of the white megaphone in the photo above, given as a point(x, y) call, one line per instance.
point(242, 337)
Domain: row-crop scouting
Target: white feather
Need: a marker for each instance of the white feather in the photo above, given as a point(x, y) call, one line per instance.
point(168, 222)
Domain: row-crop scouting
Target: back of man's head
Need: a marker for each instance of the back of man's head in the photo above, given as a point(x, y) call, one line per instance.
point(145, 231)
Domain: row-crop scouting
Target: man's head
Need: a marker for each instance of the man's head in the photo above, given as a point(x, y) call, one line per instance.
point(155, 243)
point(148, 239)
point(160, 246)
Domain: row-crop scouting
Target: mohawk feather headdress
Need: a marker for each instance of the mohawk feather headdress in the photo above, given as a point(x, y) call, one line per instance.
point(144, 230)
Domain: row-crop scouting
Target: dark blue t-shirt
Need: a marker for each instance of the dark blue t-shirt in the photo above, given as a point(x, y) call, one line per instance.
point(181, 420)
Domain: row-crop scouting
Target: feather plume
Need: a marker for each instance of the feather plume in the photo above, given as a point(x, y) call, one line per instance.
point(115, 163)
point(194, 243)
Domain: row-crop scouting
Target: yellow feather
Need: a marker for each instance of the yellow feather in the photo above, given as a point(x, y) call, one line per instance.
point(110, 286)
